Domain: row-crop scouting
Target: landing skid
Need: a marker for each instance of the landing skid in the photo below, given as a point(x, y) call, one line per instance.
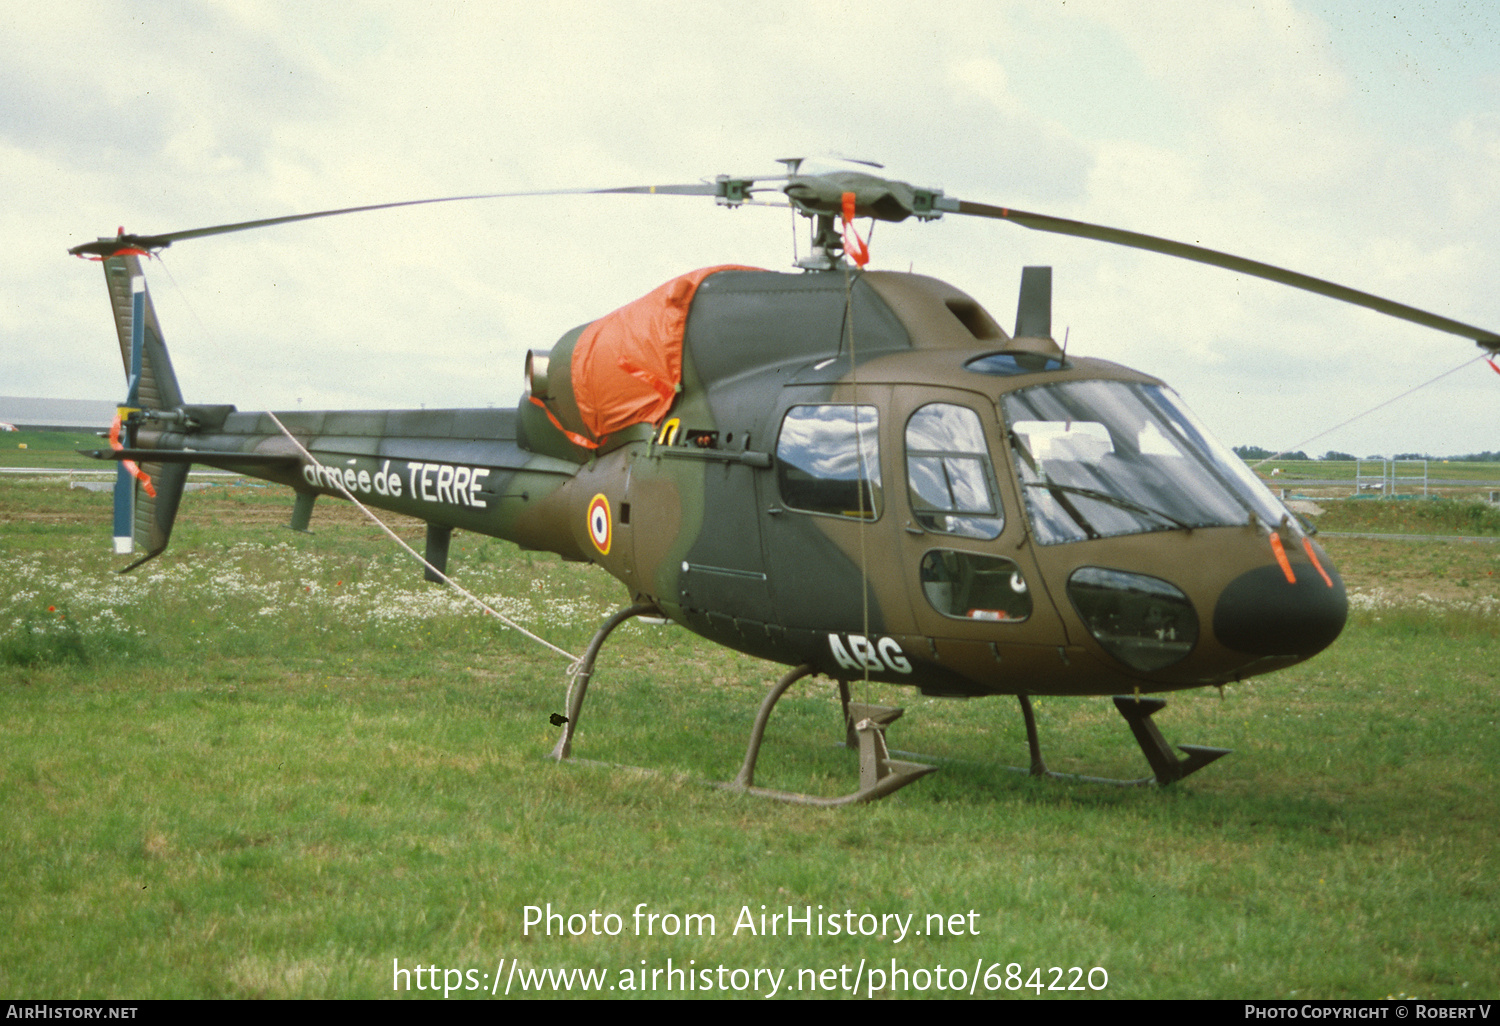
point(1166, 767)
point(865, 725)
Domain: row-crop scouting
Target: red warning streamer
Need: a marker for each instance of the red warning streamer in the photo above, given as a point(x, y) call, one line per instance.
point(574, 437)
point(130, 465)
point(854, 246)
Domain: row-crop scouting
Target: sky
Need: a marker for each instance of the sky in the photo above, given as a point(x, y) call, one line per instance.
point(1353, 141)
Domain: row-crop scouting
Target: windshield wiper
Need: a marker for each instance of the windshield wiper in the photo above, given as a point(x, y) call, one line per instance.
point(1105, 497)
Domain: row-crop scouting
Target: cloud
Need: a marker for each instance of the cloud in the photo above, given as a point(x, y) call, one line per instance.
point(1284, 131)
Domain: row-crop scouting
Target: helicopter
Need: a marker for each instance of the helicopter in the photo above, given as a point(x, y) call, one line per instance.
point(850, 472)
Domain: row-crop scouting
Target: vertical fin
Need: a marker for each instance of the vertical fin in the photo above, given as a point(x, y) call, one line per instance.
point(152, 527)
point(151, 385)
point(157, 388)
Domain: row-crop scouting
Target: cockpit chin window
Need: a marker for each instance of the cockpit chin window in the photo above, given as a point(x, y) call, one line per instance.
point(1144, 622)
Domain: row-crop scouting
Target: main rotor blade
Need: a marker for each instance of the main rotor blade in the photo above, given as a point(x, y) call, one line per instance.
point(1062, 226)
point(694, 189)
point(150, 243)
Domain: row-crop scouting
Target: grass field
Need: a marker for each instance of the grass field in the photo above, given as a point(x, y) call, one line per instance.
point(278, 765)
point(58, 449)
point(1416, 516)
point(1453, 472)
point(1321, 479)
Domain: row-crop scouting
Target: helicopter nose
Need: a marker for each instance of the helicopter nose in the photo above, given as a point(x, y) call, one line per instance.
point(1262, 613)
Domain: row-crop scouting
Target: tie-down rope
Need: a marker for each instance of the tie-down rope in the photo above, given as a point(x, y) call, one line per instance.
point(339, 480)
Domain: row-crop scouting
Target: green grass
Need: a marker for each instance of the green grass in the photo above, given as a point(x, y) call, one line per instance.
point(57, 449)
point(1440, 472)
point(269, 764)
point(1411, 516)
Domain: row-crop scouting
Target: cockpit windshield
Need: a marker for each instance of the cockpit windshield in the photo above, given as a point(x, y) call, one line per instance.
point(1098, 459)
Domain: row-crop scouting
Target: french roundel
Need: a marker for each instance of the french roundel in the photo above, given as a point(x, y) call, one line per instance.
point(599, 524)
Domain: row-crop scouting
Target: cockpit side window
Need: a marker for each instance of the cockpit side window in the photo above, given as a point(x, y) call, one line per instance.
point(949, 477)
point(828, 460)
